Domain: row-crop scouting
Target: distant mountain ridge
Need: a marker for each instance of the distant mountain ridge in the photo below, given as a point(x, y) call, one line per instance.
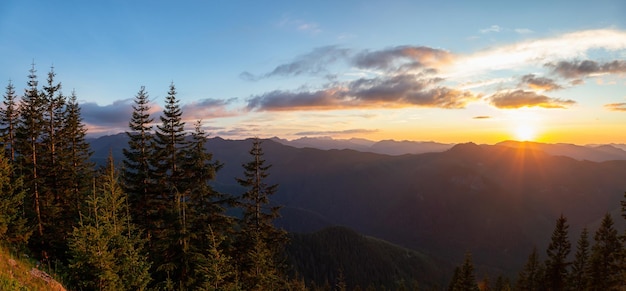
point(597, 153)
point(496, 201)
point(386, 147)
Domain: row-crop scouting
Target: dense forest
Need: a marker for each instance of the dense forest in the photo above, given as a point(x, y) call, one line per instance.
point(153, 221)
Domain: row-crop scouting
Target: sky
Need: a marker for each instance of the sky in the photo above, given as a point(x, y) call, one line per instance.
point(446, 71)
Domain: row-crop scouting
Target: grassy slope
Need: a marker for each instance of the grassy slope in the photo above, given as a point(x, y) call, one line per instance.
point(15, 274)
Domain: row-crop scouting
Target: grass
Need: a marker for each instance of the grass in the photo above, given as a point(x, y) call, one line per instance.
point(15, 274)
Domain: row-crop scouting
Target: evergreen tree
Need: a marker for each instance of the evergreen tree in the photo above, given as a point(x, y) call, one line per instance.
point(170, 202)
point(29, 131)
point(604, 266)
point(14, 229)
point(210, 224)
point(60, 213)
point(578, 277)
point(106, 248)
point(465, 277)
point(137, 170)
point(9, 115)
point(259, 241)
point(215, 268)
point(558, 250)
point(76, 154)
point(531, 276)
point(502, 284)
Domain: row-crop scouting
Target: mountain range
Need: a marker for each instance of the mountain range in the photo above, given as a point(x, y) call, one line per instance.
point(495, 201)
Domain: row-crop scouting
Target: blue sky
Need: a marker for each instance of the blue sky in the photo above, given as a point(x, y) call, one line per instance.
point(450, 71)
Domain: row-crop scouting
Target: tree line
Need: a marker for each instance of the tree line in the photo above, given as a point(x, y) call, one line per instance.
point(153, 223)
point(601, 266)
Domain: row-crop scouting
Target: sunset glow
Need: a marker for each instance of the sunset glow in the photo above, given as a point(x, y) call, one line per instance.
point(525, 133)
point(377, 72)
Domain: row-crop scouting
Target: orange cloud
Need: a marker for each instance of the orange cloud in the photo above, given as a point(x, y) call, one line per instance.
point(616, 106)
point(521, 98)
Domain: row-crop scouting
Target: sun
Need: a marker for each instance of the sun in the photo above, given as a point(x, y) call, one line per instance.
point(525, 132)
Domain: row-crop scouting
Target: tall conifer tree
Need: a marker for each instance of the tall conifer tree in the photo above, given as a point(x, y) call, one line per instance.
point(604, 266)
point(75, 153)
point(465, 279)
point(172, 248)
point(578, 278)
point(29, 148)
point(531, 276)
point(558, 250)
point(259, 241)
point(137, 169)
point(8, 120)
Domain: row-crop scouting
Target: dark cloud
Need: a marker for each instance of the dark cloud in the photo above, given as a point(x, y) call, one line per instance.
point(116, 114)
point(397, 91)
point(313, 63)
point(208, 108)
point(539, 83)
point(481, 117)
point(582, 69)
point(335, 132)
point(401, 57)
point(521, 98)
point(397, 59)
point(616, 106)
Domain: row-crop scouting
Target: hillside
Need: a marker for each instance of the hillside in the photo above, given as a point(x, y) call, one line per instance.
point(363, 261)
point(494, 201)
point(18, 274)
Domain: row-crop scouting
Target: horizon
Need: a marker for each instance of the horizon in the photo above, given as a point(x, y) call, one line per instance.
point(621, 146)
point(543, 72)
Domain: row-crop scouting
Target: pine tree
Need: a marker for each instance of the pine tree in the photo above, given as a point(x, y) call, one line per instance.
point(76, 153)
point(209, 223)
point(604, 266)
point(106, 248)
point(558, 250)
point(9, 115)
point(13, 223)
point(502, 284)
point(465, 277)
point(578, 278)
point(531, 276)
point(170, 202)
point(29, 149)
point(259, 241)
point(215, 268)
point(137, 170)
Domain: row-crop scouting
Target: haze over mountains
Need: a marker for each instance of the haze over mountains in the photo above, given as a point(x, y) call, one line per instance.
point(496, 201)
point(596, 153)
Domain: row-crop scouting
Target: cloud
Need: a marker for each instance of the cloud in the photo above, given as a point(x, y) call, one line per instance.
point(337, 132)
point(539, 83)
point(408, 57)
point(113, 118)
point(300, 25)
point(116, 114)
point(481, 117)
point(208, 108)
point(313, 63)
point(523, 30)
point(537, 52)
point(582, 69)
point(397, 59)
point(616, 106)
point(521, 98)
point(493, 28)
point(386, 92)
